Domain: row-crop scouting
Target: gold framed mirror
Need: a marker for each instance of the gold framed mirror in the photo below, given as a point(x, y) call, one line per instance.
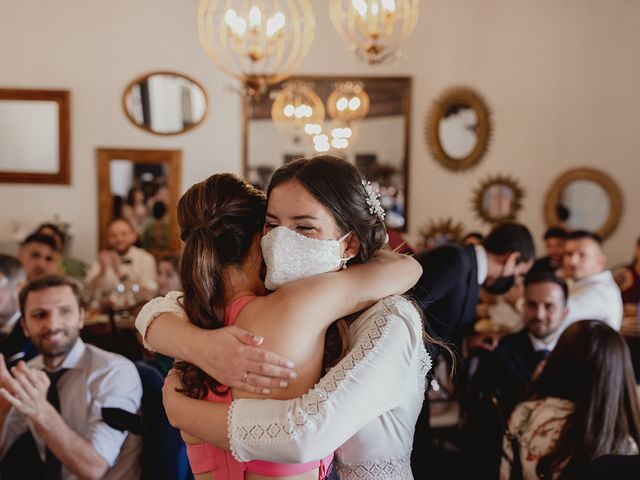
point(458, 128)
point(584, 199)
point(142, 186)
point(440, 232)
point(165, 103)
point(498, 199)
point(377, 143)
point(35, 136)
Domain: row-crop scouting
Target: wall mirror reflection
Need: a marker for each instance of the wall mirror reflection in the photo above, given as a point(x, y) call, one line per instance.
point(498, 199)
point(458, 128)
point(440, 232)
point(584, 199)
point(165, 103)
point(143, 187)
point(35, 136)
point(362, 119)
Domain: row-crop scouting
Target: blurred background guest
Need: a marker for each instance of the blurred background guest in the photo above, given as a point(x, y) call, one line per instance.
point(168, 274)
point(39, 256)
point(70, 266)
point(554, 239)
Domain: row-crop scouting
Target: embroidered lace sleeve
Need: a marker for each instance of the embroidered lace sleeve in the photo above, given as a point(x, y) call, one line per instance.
point(167, 304)
point(366, 383)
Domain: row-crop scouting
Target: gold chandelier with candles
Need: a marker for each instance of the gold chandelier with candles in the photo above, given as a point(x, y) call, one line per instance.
point(348, 101)
point(297, 108)
point(374, 29)
point(259, 42)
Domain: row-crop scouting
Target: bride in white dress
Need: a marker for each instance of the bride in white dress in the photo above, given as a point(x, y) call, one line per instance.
point(365, 407)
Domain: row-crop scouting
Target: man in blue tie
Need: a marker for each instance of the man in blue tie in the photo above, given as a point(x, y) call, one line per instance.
point(52, 408)
point(505, 373)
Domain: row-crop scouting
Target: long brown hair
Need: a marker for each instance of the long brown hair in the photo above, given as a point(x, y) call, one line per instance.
point(591, 367)
point(219, 219)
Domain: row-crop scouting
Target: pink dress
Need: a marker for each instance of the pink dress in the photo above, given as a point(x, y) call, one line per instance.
point(205, 457)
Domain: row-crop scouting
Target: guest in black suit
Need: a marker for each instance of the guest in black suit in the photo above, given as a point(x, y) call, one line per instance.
point(448, 293)
point(554, 239)
point(506, 372)
point(12, 338)
point(452, 274)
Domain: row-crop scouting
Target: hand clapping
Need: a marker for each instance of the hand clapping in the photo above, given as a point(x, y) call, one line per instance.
point(25, 389)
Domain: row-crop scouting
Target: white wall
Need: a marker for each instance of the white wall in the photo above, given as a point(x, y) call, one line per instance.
point(560, 77)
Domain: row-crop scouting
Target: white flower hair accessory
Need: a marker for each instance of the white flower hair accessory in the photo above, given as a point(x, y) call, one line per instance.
point(373, 200)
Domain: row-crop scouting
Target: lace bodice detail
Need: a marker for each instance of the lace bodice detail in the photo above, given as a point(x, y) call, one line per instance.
point(368, 403)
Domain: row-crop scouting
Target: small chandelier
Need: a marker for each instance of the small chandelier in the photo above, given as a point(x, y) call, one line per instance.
point(374, 29)
point(259, 42)
point(348, 102)
point(297, 108)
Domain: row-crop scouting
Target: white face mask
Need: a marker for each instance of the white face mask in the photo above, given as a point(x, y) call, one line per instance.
point(290, 256)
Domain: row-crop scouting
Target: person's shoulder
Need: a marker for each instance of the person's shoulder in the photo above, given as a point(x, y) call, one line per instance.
point(108, 361)
point(444, 252)
point(394, 311)
point(142, 253)
point(512, 340)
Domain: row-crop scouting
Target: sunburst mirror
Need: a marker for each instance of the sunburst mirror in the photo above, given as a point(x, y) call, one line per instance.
point(439, 232)
point(498, 199)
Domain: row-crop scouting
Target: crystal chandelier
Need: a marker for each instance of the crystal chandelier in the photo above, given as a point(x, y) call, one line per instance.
point(348, 101)
point(297, 108)
point(259, 42)
point(374, 29)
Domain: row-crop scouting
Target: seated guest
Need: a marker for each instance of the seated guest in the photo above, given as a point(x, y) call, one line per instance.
point(68, 265)
point(505, 373)
point(53, 408)
point(554, 240)
point(168, 275)
point(124, 263)
point(583, 405)
point(39, 256)
point(13, 344)
point(593, 292)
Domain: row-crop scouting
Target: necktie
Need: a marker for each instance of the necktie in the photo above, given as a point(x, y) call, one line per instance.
point(53, 467)
point(542, 354)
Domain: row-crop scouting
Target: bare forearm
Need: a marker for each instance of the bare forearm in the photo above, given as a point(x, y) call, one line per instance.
point(199, 418)
point(73, 451)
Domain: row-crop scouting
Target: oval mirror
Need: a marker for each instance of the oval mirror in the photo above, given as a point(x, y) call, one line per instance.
point(458, 128)
point(498, 199)
point(165, 103)
point(584, 199)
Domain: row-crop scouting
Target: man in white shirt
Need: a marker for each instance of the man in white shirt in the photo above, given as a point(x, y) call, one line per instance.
point(593, 292)
point(52, 409)
point(124, 263)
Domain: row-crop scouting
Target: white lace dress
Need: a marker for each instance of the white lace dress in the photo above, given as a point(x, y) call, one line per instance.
point(365, 408)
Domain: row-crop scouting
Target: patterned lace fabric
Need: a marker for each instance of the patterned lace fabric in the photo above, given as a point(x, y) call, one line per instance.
point(366, 351)
point(391, 469)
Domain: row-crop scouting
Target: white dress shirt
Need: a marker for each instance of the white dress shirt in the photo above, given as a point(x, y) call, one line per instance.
point(137, 264)
point(366, 406)
point(483, 264)
point(596, 297)
point(95, 379)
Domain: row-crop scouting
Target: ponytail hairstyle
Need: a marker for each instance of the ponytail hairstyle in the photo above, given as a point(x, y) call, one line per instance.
point(219, 219)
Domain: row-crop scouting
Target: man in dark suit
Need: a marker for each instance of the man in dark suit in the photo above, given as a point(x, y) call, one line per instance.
point(452, 275)
point(554, 240)
point(448, 294)
point(13, 343)
point(505, 373)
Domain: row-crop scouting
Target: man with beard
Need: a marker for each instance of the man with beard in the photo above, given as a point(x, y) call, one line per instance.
point(504, 374)
point(124, 263)
point(52, 409)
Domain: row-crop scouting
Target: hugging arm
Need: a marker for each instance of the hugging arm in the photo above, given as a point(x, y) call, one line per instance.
point(308, 428)
point(225, 354)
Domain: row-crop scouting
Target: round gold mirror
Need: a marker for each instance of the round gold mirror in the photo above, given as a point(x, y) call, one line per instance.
point(165, 103)
point(498, 199)
point(458, 128)
point(584, 199)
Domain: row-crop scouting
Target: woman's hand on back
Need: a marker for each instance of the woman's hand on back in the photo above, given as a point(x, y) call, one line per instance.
point(233, 356)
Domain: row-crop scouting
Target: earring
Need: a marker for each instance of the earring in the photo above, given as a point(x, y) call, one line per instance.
point(343, 264)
